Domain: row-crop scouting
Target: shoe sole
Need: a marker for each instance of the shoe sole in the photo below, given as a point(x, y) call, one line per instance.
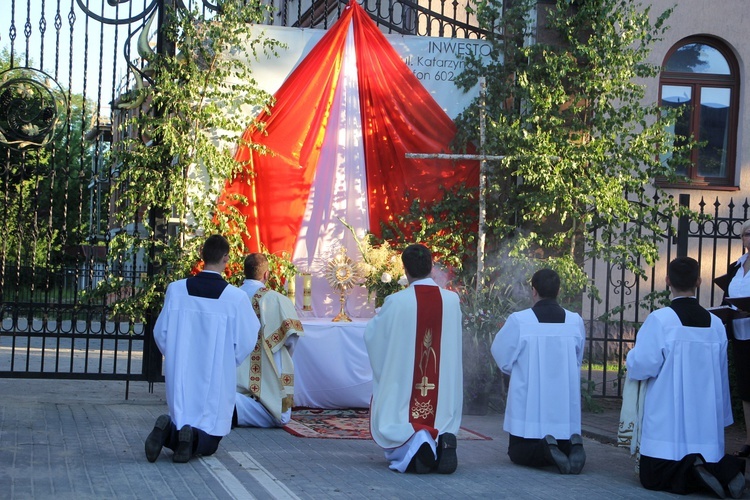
point(155, 439)
point(737, 486)
point(710, 481)
point(577, 457)
point(448, 462)
point(555, 455)
point(185, 447)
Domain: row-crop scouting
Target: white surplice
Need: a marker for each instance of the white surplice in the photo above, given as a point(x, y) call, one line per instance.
point(203, 340)
point(687, 402)
point(544, 364)
point(390, 338)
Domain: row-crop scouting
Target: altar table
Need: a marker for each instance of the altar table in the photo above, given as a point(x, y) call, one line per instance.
point(331, 367)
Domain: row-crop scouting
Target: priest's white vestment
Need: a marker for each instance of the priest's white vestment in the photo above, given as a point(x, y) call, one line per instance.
point(544, 364)
point(687, 402)
point(203, 340)
point(390, 340)
point(265, 379)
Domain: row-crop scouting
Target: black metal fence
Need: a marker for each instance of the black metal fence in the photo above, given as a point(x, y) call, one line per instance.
point(49, 328)
point(62, 64)
point(713, 239)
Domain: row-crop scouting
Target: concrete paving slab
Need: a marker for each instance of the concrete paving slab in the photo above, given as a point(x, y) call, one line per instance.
point(71, 439)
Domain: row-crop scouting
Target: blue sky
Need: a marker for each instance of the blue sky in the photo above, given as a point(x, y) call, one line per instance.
point(92, 49)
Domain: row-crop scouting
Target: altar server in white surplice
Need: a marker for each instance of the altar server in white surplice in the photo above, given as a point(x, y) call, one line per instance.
point(205, 329)
point(414, 345)
point(265, 380)
point(680, 355)
point(541, 348)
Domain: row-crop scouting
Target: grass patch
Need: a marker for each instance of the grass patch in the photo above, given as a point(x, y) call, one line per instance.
point(598, 367)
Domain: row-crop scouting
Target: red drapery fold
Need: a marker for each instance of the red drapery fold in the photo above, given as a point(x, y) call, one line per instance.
point(277, 185)
point(398, 116)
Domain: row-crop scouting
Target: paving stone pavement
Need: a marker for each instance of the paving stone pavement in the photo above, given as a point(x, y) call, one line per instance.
point(72, 439)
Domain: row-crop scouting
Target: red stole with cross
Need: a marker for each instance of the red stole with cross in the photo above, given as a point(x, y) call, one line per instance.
point(424, 392)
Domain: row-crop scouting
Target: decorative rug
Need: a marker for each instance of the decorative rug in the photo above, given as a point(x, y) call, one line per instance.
point(343, 424)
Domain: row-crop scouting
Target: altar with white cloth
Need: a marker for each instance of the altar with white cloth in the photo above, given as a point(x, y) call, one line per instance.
point(331, 366)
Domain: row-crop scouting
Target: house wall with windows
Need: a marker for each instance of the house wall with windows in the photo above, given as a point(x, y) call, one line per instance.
point(705, 58)
point(721, 118)
point(700, 35)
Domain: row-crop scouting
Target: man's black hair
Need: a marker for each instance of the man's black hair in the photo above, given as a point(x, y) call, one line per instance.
point(417, 261)
point(546, 282)
point(214, 249)
point(683, 273)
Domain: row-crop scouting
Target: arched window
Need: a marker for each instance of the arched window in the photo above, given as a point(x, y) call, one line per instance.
point(701, 75)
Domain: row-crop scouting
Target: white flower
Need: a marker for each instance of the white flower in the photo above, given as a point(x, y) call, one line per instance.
point(386, 278)
point(403, 281)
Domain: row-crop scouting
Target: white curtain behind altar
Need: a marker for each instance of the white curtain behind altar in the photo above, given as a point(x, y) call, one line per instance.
point(339, 189)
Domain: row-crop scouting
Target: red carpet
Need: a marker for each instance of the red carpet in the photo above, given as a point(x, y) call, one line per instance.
point(343, 424)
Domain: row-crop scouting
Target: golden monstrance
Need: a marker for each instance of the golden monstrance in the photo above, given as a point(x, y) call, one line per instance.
point(342, 274)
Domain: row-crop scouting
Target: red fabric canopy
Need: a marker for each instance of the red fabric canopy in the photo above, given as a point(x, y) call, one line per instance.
point(398, 116)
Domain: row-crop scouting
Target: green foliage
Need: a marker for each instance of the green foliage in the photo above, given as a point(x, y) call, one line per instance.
point(504, 290)
point(448, 227)
point(282, 270)
point(381, 269)
point(582, 148)
point(588, 402)
point(177, 149)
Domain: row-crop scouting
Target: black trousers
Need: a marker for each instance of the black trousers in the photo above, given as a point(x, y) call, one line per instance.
point(528, 451)
point(741, 354)
point(677, 476)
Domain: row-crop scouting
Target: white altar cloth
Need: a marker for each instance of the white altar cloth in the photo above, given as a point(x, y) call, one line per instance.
point(331, 366)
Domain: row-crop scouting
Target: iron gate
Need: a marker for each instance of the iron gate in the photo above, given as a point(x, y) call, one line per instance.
point(62, 65)
point(712, 239)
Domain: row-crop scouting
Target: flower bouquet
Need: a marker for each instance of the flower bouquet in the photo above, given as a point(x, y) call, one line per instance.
point(381, 267)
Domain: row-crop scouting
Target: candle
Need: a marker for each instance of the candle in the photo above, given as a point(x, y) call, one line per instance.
point(290, 288)
point(306, 292)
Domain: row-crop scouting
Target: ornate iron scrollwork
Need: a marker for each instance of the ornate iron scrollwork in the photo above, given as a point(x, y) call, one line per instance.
point(32, 108)
point(147, 10)
point(136, 95)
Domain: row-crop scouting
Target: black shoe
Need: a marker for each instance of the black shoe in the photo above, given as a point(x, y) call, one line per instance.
point(554, 455)
point(447, 460)
point(708, 480)
point(157, 438)
point(185, 445)
point(424, 459)
point(577, 456)
point(737, 486)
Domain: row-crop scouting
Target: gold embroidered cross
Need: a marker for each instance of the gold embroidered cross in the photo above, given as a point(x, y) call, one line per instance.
point(424, 386)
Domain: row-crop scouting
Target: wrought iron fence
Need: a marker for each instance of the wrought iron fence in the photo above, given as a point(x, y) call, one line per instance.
point(63, 66)
point(49, 328)
point(612, 323)
point(68, 60)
